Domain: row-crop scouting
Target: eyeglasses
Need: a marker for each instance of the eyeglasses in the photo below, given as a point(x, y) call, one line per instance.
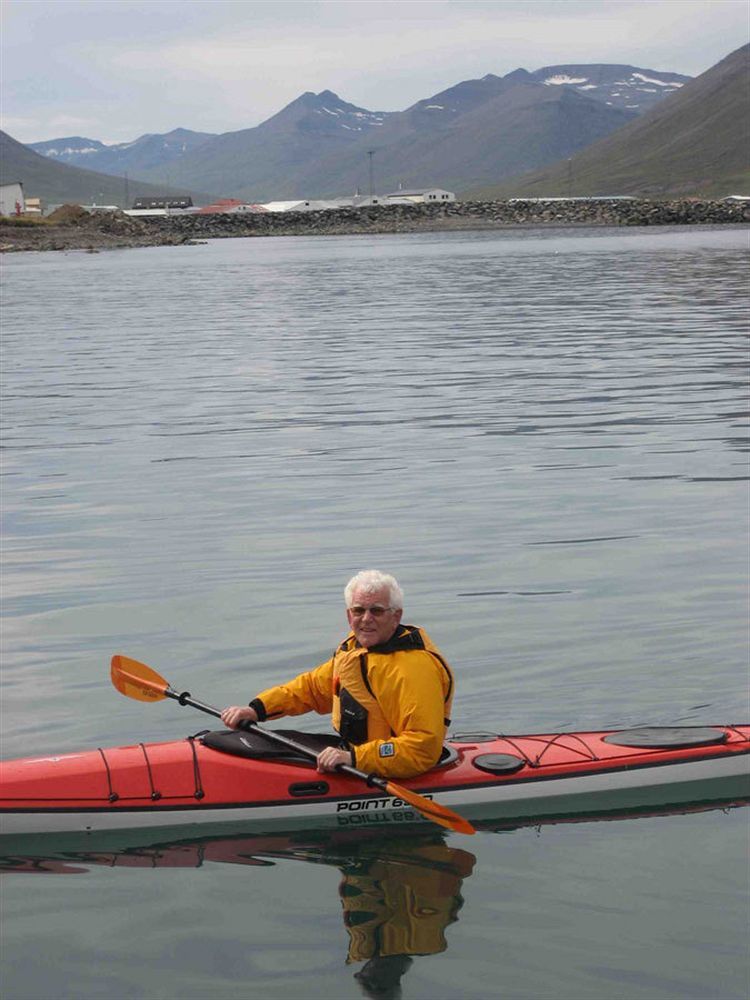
point(377, 611)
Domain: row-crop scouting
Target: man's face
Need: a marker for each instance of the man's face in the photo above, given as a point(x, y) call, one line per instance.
point(370, 629)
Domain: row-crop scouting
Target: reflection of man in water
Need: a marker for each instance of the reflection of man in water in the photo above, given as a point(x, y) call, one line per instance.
point(398, 905)
point(398, 894)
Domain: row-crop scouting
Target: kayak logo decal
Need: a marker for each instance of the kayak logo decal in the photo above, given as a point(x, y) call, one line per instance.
point(367, 812)
point(374, 805)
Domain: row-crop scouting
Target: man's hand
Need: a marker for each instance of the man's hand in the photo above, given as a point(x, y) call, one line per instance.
point(235, 715)
point(330, 758)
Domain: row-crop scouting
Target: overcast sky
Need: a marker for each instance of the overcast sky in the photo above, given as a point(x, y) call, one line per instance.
point(113, 70)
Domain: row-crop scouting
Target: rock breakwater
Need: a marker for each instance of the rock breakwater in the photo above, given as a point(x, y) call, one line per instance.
point(110, 230)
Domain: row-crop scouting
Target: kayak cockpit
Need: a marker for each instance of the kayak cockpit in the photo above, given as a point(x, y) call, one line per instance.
point(255, 745)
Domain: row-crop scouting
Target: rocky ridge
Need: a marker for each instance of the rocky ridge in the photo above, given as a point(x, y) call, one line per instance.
point(75, 229)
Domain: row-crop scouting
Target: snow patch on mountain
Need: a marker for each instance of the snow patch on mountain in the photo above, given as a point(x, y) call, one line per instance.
point(561, 78)
point(659, 83)
point(71, 150)
point(621, 86)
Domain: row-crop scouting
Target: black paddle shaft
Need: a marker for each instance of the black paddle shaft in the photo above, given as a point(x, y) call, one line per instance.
point(185, 698)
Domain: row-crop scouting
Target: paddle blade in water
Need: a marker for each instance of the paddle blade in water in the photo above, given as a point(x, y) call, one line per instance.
point(431, 810)
point(136, 680)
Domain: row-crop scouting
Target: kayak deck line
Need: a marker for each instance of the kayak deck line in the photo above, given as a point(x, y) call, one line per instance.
point(622, 759)
point(351, 798)
point(368, 794)
point(188, 780)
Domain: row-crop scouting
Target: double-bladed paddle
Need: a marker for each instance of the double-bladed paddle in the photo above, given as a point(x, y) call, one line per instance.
point(138, 681)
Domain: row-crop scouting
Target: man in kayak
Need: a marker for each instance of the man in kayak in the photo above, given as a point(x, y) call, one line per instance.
point(388, 688)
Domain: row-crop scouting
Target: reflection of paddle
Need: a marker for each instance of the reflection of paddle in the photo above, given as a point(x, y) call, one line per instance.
point(136, 680)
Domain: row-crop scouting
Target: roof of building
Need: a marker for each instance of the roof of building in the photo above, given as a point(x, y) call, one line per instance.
point(415, 191)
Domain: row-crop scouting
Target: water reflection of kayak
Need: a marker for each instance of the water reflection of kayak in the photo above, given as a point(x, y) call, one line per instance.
point(156, 848)
point(398, 892)
point(400, 887)
point(229, 779)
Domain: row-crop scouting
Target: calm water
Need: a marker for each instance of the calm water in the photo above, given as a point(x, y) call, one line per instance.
point(542, 433)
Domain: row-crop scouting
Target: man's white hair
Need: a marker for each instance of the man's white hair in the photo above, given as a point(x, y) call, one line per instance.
point(372, 580)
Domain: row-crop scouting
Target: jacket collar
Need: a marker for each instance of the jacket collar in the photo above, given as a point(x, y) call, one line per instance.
point(405, 637)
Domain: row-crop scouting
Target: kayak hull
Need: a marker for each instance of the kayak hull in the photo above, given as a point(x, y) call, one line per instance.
point(240, 844)
point(184, 784)
point(698, 782)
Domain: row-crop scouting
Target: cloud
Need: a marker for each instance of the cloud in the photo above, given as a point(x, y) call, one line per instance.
point(143, 67)
point(376, 46)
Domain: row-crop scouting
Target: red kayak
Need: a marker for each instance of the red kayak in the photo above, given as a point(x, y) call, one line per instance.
point(238, 778)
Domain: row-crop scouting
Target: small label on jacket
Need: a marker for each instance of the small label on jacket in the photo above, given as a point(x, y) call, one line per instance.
point(386, 750)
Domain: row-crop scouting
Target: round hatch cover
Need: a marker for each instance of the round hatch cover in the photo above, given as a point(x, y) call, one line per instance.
point(498, 763)
point(667, 737)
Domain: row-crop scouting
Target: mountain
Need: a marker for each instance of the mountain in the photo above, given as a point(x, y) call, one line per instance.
point(319, 146)
point(73, 149)
point(523, 124)
point(627, 87)
point(695, 143)
point(258, 163)
point(144, 153)
point(467, 136)
point(57, 182)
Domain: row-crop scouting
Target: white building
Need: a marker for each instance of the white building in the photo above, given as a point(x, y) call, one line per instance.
point(286, 206)
point(420, 196)
point(362, 200)
point(98, 209)
point(11, 199)
point(306, 205)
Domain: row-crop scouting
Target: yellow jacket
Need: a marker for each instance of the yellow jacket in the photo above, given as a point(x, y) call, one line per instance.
point(390, 702)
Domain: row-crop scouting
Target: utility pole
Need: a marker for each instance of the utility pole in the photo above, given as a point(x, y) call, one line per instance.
point(570, 177)
point(371, 153)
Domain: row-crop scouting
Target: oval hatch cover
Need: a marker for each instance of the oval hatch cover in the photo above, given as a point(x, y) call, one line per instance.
point(667, 737)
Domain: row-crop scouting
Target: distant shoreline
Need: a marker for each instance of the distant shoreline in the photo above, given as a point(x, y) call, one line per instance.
point(111, 231)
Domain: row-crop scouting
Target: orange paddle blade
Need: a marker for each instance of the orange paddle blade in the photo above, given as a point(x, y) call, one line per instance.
point(136, 680)
point(431, 810)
